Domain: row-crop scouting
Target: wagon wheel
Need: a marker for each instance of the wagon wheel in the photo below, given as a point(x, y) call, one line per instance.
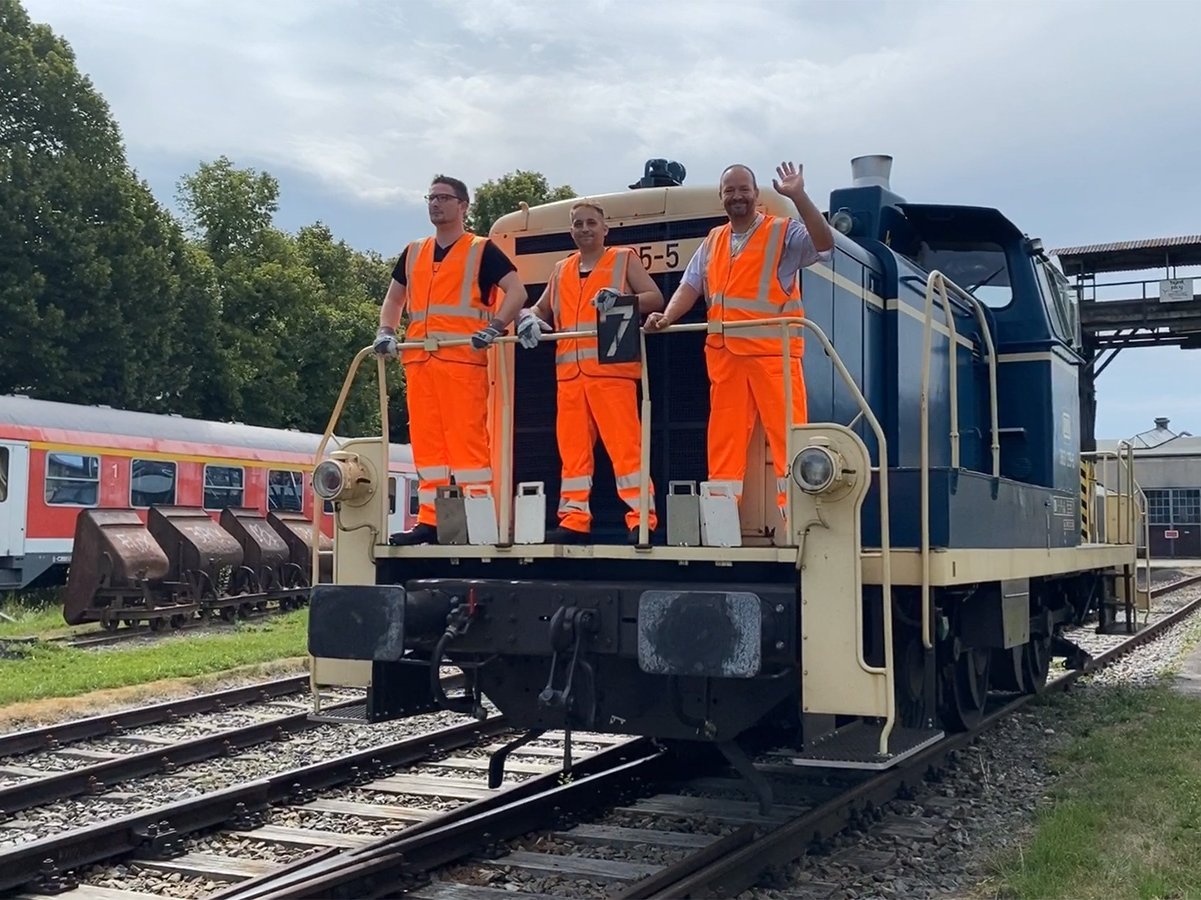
point(965, 689)
point(243, 582)
point(111, 624)
point(158, 623)
point(179, 620)
point(298, 576)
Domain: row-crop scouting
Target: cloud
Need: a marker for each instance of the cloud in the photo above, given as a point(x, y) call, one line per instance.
point(372, 99)
point(1072, 117)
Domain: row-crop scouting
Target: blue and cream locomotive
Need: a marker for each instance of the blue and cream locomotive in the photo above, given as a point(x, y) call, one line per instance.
point(934, 542)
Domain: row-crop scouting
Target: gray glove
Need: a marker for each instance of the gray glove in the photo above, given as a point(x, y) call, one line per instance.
point(483, 338)
point(385, 343)
point(530, 328)
point(605, 300)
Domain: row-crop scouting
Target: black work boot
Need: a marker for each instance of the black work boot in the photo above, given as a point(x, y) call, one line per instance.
point(567, 536)
point(421, 534)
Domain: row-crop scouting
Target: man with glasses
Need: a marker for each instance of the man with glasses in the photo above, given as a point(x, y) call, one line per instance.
point(448, 285)
point(749, 269)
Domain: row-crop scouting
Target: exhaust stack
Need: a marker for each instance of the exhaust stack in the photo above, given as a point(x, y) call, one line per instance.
point(871, 170)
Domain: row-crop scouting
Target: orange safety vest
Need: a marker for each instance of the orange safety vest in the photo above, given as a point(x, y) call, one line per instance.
point(571, 305)
point(745, 287)
point(444, 299)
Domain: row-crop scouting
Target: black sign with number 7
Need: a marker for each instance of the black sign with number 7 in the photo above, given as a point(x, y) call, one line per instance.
point(617, 339)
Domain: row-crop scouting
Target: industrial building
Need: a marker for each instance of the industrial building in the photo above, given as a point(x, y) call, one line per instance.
point(1167, 465)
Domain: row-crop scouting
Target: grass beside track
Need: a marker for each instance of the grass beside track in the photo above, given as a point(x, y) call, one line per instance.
point(37, 670)
point(1124, 819)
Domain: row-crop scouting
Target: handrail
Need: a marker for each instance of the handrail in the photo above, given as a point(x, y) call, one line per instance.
point(334, 415)
point(982, 321)
point(935, 281)
point(789, 322)
point(1128, 494)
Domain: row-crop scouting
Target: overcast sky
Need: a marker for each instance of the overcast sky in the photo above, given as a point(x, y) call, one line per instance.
point(1077, 119)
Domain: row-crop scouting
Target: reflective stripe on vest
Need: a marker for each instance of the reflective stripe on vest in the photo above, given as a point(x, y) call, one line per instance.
point(444, 299)
point(745, 287)
point(571, 306)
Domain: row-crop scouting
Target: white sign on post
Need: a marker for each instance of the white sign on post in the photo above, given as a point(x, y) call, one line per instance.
point(1175, 290)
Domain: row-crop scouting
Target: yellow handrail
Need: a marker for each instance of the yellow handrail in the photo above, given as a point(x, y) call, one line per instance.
point(787, 323)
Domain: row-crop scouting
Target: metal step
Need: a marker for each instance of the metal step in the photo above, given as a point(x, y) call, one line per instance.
point(856, 746)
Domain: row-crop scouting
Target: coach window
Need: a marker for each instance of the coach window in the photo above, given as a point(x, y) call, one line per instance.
point(3, 474)
point(151, 483)
point(415, 498)
point(222, 486)
point(391, 495)
point(72, 479)
point(283, 490)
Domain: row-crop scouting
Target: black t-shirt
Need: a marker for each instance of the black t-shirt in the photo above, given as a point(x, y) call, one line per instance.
point(494, 265)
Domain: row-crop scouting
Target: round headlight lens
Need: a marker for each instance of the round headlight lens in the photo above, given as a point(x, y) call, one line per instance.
point(814, 469)
point(328, 480)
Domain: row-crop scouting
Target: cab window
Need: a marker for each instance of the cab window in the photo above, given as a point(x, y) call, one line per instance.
point(979, 267)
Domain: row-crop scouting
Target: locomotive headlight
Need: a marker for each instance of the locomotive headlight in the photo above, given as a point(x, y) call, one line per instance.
point(328, 480)
point(842, 221)
point(341, 478)
point(815, 470)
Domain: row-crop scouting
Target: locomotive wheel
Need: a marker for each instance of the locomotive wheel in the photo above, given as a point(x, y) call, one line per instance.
point(909, 681)
point(1006, 672)
point(1036, 663)
point(965, 689)
point(111, 624)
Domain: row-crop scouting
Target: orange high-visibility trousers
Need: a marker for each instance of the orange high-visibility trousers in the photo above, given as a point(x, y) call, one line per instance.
point(608, 405)
point(448, 428)
point(740, 386)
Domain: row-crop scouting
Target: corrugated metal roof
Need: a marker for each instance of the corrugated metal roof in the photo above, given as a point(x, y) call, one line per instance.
point(1119, 246)
point(1128, 256)
point(17, 410)
point(1179, 446)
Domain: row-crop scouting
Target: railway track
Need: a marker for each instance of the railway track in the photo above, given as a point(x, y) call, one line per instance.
point(633, 820)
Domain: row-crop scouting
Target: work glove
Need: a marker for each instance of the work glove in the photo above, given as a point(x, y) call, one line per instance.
point(483, 338)
point(385, 343)
point(605, 300)
point(530, 328)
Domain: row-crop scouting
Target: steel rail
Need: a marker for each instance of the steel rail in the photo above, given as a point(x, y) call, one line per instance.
point(50, 737)
point(99, 777)
point(41, 863)
point(620, 772)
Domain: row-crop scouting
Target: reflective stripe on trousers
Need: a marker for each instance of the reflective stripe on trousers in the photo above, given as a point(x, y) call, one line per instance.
point(448, 427)
point(739, 388)
point(609, 407)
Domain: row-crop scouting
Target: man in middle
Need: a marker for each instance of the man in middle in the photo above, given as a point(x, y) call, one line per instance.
point(593, 397)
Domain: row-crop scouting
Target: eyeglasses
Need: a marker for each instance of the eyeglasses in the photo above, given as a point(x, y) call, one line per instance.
point(440, 198)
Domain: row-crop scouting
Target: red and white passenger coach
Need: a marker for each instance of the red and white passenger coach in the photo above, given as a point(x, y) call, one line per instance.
point(59, 458)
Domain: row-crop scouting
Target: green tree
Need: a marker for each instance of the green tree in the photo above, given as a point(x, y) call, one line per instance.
point(226, 207)
point(90, 287)
point(495, 198)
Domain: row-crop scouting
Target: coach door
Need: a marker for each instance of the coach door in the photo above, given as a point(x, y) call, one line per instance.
point(14, 481)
